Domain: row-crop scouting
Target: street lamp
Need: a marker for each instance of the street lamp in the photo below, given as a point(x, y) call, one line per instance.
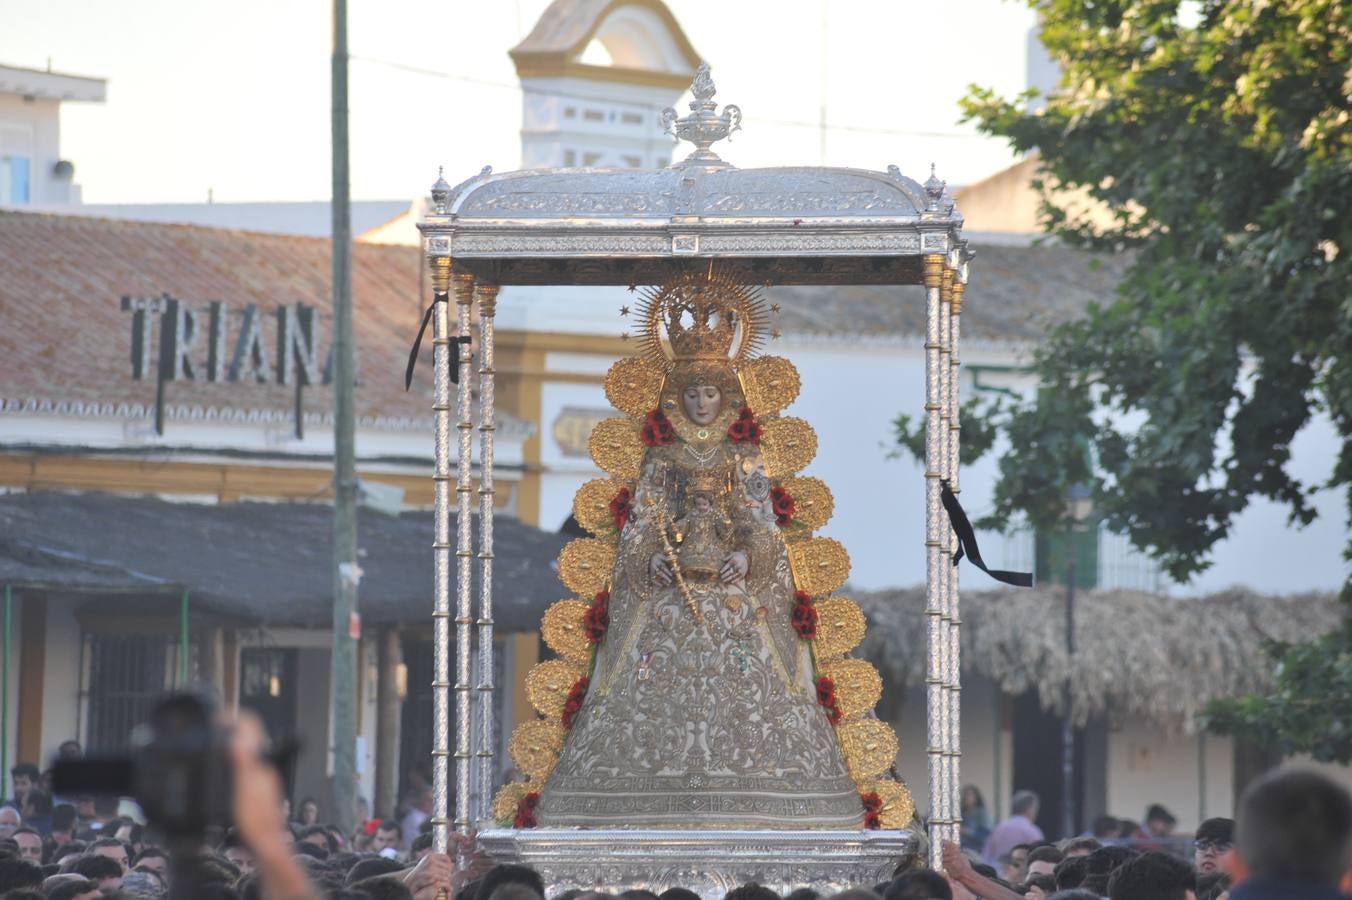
point(1079, 507)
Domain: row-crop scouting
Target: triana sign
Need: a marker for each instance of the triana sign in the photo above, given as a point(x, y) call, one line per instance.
point(195, 343)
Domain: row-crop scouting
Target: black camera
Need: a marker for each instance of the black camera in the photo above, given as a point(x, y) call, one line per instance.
point(178, 770)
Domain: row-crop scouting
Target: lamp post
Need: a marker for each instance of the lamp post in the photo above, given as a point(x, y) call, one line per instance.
point(1079, 506)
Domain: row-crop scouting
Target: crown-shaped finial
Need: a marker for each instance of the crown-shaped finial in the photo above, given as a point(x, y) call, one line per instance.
point(703, 126)
point(701, 318)
point(935, 189)
point(441, 192)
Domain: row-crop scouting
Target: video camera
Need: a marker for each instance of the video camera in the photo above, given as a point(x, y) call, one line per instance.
point(178, 770)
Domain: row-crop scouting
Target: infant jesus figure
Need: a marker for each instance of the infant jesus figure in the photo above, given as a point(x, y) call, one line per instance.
point(703, 535)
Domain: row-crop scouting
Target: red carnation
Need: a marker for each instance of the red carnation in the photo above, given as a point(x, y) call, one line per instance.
point(573, 705)
point(596, 620)
point(657, 430)
point(525, 811)
point(872, 820)
point(872, 802)
point(745, 429)
point(784, 507)
point(804, 616)
point(826, 696)
point(620, 506)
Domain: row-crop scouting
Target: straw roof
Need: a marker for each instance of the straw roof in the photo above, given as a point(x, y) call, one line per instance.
point(1160, 658)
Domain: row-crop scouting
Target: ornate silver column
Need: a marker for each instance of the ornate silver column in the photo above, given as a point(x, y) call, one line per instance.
point(937, 727)
point(486, 295)
point(947, 538)
point(955, 444)
point(464, 572)
point(441, 551)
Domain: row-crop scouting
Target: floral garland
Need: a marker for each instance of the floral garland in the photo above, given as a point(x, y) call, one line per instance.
point(525, 810)
point(784, 507)
point(657, 430)
point(621, 505)
point(873, 807)
point(596, 620)
point(745, 429)
point(573, 706)
point(826, 696)
point(804, 616)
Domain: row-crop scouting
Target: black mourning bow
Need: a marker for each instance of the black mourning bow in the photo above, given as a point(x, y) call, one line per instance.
point(417, 345)
point(967, 540)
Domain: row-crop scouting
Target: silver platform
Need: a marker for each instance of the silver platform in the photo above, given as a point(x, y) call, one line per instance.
point(710, 863)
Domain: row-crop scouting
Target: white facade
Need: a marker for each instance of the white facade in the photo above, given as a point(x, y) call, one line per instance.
point(32, 170)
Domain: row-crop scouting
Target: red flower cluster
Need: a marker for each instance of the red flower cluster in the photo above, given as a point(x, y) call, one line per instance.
point(620, 507)
point(525, 811)
point(597, 617)
point(573, 706)
point(784, 506)
point(804, 616)
point(873, 807)
point(745, 429)
point(826, 696)
point(657, 430)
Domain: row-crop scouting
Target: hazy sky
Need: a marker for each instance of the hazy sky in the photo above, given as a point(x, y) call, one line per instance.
point(234, 96)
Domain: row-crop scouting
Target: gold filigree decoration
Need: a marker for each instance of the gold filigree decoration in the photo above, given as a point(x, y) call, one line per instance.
point(859, 687)
point(617, 448)
point(548, 684)
point(898, 805)
point(535, 747)
point(820, 565)
point(788, 445)
point(585, 565)
point(870, 747)
point(771, 384)
point(591, 505)
point(633, 386)
point(563, 631)
point(812, 500)
point(509, 798)
point(840, 627)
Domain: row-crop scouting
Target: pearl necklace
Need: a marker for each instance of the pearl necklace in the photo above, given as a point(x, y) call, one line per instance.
point(703, 458)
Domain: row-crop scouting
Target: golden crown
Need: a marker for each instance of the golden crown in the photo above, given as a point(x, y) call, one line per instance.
point(704, 317)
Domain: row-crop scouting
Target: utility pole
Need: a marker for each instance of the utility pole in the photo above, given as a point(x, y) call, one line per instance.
point(346, 573)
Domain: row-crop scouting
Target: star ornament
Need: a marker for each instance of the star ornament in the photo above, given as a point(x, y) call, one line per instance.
point(632, 287)
point(775, 307)
point(624, 310)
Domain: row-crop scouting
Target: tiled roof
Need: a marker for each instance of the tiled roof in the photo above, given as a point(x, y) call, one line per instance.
point(1016, 294)
point(65, 342)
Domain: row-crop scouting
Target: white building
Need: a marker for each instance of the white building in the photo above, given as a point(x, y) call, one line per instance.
point(32, 170)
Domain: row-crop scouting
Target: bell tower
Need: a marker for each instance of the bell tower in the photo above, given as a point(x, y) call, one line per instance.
point(596, 75)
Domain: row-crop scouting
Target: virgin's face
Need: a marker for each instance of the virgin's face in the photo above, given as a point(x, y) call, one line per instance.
point(702, 403)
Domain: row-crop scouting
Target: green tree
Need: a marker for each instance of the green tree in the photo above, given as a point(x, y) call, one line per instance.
point(1217, 138)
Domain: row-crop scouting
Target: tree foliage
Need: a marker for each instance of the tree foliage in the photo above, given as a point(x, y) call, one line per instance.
point(1221, 149)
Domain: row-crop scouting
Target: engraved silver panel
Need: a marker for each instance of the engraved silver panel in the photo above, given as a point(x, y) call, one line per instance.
point(708, 862)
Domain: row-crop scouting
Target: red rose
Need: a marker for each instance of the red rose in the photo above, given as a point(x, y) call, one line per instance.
point(826, 691)
point(657, 430)
point(620, 506)
point(783, 505)
point(804, 618)
point(525, 811)
point(872, 802)
point(745, 429)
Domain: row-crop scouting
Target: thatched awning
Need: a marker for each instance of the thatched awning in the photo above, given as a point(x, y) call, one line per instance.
point(1159, 658)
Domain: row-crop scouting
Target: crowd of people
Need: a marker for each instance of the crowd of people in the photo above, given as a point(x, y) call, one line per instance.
point(1292, 840)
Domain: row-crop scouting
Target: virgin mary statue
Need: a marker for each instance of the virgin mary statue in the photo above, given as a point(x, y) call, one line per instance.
point(704, 679)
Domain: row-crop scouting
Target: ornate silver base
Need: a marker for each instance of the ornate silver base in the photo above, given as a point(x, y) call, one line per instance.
point(710, 863)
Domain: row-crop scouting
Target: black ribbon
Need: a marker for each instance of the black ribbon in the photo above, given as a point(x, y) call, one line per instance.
point(417, 345)
point(967, 540)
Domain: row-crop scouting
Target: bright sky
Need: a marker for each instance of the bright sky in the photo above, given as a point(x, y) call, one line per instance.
point(234, 96)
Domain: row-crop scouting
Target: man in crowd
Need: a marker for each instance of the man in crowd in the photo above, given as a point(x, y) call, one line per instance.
point(1152, 876)
point(1159, 824)
point(30, 844)
point(388, 835)
point(1212, 840)
point(113, 849)
point(22, 778)
point(1293, 838)
point(420, 808)
point(1042, 860)
point(1019, 828)
point(10, 820)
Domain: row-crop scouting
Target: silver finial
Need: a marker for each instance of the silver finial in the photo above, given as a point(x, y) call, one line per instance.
point(935, 189)
point(441, 193)
point(703, 126)
point(894, 172)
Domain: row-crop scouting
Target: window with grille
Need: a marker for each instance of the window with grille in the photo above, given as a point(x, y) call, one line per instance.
point(126, 674)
